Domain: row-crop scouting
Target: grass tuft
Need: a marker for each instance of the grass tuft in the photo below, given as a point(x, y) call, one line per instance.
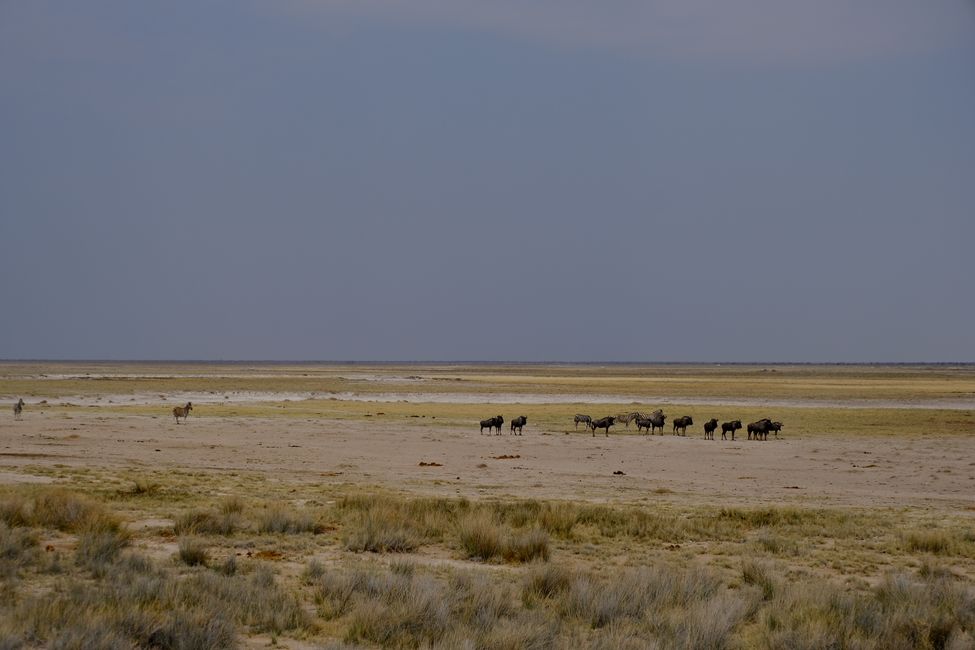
point(193, 552)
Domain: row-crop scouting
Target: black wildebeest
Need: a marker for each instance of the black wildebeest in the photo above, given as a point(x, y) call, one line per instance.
point(732, 426)
point(182, 411)
point(602, 423)
point(18, 408)
point(681, 424)
point(709, 428)
point(759, 429)
point(582, 418)
point(657, 420)
point(518, 423)
point(490, 423)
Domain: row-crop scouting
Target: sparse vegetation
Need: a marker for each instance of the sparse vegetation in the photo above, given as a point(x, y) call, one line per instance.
point(151, 558)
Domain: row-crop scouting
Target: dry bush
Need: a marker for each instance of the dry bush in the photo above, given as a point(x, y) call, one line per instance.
point(70, 512)
point(628, 595)
point(97, 550)
point(479, 536)
point(404, 612)
point(56, 508)
point(477, 602)
point(900, 613)
point(936, 542)
point(526, 546)
point(15, 510)
point(254, 599)
point(207, 522)
point(143, 487)
point(761, 575)
point(18, 547)
point(193, 552)
point(382, 531)
point(281, 520)
point(546, 580)
point(231, 506)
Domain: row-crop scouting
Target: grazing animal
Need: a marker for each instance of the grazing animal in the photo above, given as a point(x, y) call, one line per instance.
point(18, 408)
point(490, 423)
point(498, 421)
point(182, 411)
point(681, 424)
point(602, 423)
point(626, 418)
point(644, 423)
point(709, 428)
point(657, 420)
point(775, 427)
point(759, 429)
point(582, 418)
point(732, 426)
point(518, 423)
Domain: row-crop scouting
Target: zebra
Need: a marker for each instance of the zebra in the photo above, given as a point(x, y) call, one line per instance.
point(18, 408)
point(182, 411)
point(582, 418)
point(626, 418)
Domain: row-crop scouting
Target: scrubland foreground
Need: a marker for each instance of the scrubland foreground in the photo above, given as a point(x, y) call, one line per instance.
point(312, 524)
point(153, 564)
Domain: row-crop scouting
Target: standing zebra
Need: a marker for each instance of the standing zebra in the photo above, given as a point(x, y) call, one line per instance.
point(582, 418)
point(626, 418)
point(182, 411)
point(18, 408)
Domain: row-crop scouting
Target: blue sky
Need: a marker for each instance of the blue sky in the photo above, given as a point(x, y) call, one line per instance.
point(384, 180)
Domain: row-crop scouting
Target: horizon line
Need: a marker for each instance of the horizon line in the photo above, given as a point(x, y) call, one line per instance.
point(378, 362)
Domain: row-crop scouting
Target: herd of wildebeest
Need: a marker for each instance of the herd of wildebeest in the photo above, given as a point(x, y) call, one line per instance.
point(757, 430)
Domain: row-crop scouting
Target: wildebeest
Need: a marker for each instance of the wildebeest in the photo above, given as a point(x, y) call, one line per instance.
point(182, 411)
point(490, 423)
point(759, 429)
point(681, 424)
point(732, 426)
point(709, 428)
point(652, 422)
point(582, 418)
point(602, 423)
point(657, 420)
point(626, 418)
point(775, 427)
point(18, 408)
point(518, 423)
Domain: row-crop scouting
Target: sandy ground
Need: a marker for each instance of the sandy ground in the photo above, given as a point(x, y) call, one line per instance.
point(936, 473)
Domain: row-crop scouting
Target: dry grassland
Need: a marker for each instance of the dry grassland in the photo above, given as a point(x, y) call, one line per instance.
point(312, 524)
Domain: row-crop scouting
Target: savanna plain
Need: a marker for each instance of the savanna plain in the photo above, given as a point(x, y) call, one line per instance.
point(360, 506)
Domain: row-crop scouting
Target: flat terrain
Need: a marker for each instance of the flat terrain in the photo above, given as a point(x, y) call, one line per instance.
point(916, 448)
point(883, 452)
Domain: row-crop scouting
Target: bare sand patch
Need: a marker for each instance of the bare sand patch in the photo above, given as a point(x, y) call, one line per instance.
point(934, 471)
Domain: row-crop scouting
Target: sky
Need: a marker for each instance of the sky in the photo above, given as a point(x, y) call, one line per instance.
point(554, 180)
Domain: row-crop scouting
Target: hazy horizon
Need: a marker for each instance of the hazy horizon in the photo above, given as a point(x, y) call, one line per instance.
point(688, 182)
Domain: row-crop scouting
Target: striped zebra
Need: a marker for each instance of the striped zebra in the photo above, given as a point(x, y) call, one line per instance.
point(182, 411)
point(18, 408)
point(626, 418)
point(585, 419)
